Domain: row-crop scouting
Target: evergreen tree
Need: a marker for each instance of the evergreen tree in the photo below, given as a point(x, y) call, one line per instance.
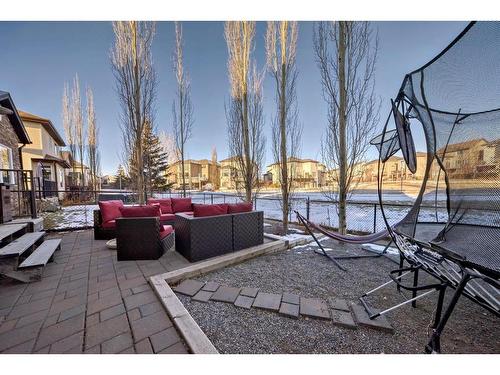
point(155, 162)
point(121, 178)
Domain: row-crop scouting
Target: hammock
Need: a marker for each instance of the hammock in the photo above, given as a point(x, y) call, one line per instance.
point(343, 238)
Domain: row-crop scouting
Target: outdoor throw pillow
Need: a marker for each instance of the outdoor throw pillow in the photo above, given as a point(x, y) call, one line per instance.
point(239, 207)
point(201, 210)
point(165, 205)
point(110, 210)
point(181, 204)
point(140, 211)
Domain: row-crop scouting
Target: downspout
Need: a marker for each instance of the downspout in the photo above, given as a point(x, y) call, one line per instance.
point(20, 149)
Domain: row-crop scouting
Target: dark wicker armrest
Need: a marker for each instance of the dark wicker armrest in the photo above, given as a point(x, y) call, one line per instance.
point(97, 218)
point(198, 238)
point(248, 229)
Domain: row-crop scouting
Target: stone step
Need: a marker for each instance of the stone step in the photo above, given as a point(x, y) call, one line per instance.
point(20, 245)
point(8, 231)
point(42, 254)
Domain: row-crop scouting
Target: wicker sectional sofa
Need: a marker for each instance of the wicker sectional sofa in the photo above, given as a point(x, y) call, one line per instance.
point(106, 229)
point(198, 238)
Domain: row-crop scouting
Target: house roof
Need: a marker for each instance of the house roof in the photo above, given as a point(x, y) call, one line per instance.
point(462, 145)
point(6, 102)
point(193, 161)
point(46, 123)
point(232, 158)
point(297, 160)
point(68, 156)
point(53, 159)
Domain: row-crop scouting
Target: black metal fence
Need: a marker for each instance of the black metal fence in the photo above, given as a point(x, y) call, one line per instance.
point(70, 210)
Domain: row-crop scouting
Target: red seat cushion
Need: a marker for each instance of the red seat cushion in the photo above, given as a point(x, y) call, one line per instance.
point(201, 210)
point(239, 207)
point(167, 230)
point(140, 211)
point(167, 217)
point(165, 205)
point(110, 210)
point(111, 224)
point(181, 204)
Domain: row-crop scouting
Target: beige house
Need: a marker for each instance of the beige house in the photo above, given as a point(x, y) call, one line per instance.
point(199, 174)
point(231, 175)
point(471, 159)
point(74, 174)
point(43, 155)
point(307, 173)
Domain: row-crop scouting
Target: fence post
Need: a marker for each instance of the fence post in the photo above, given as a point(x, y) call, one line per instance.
point(375, 218)
point(203, 197)
point(32, 197)
point(308, 207)
point(255, 202)
point(212, 198)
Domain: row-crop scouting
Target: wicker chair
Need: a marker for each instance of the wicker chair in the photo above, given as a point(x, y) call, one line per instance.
point(101, 233)
point(139, 238)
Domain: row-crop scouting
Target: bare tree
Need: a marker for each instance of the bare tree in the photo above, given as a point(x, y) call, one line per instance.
point(132, 64)
point(281, 43)
point(346, 55)
point(182, 109)
point(79, 126)
point(244, 113)
point(68, 124)
point(93, 142)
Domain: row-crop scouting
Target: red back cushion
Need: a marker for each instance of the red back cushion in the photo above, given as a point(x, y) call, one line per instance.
point(110, 210)
point(239, 207)
point(200, 210)
point(140, 211)
point(165, 205)
point(181, 204)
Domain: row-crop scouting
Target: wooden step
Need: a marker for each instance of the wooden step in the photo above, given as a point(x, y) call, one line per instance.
point(17, 247)
point(6, 231)
point(41, 255)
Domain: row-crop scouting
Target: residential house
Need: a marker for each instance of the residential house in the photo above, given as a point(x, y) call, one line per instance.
point(12, 134)
point(73, 175)
point(13, 137)
point(471, 159)
point(306, 173)
point(43, 155)
point(108, 180)
point(231, 175)
point(199, 174)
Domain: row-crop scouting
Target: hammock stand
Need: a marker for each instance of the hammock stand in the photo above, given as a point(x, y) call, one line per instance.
point(343, 238)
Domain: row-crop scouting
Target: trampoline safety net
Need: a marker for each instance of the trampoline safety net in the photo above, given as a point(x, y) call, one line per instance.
point(455, 99)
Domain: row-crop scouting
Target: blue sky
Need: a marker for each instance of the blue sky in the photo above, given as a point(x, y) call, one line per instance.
point(38, 57)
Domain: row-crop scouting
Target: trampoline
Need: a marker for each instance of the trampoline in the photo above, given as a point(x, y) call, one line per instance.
point(455, 101)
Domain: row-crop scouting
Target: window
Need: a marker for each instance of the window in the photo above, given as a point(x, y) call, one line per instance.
point(6, 177)
point(47, 172)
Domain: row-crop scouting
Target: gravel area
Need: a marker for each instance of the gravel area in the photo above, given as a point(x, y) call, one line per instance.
point(471, 329)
